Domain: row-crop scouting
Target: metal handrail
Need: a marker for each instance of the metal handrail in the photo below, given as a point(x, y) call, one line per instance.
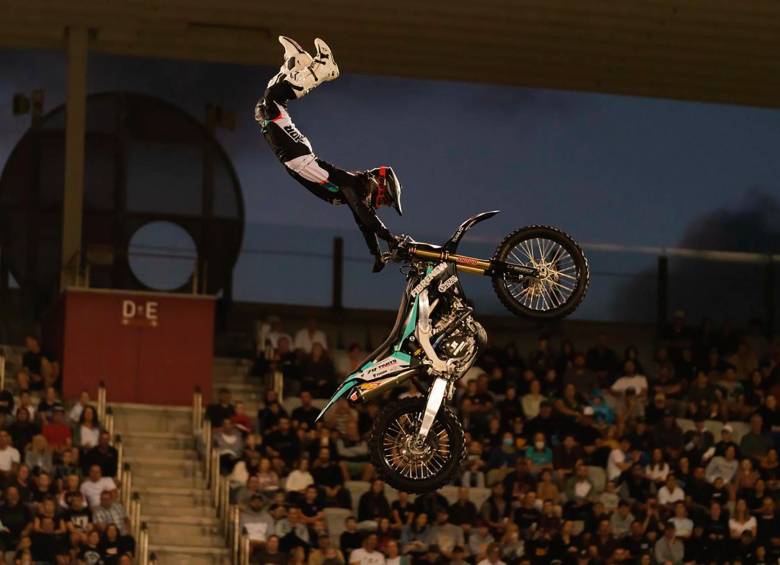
point(143, 545)
point(126, 486)
point(197, 410)
point(2, 372)
point(244, 548)
point(108, 421)
point(101, 401)
point(120, 457)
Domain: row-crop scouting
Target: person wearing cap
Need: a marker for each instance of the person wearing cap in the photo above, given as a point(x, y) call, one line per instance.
point(256, 519)
point(726, 441)
point(669, 548)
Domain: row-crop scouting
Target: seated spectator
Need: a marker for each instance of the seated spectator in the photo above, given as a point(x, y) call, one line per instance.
point(38, 456)
point(329, 479)
point(110, 512)
point(47, 405)
point(229, 443)
point(293, 530)
point(241, 419)
point(283, 441)
point(305, 414)
point(74, 415)
point(22, 430)
point(533, 399)
point(42, 490)
point(267, 478)
point(352, 451)
point(46, 541)
point(492, 556)
point(257, 521)
point(669, 549)
point(221, 410)
point(373, 504)
point(495, 510)
point(39, 370)
point(7, 403)
point(307, 337)
point(350, 538)
point(367, 554)
point(114, 545)
point(746, 478)
point(698, 441)
point(670, 493)
point(94, 485)
point(630, 380)
point(103, 455)
point(539, 455)
point(619, 459)
point(546, 489)
point(658, 469)
point(580, 375)
point(723, 466)
point(9, 456)
point(318, 375)
point(310, 507)
point(300, 477)
point(444, 535)
point(77, 517)
point(57, 432)
point(683, 526)
point(415, 537)
point(271, 553)
point(756, 443)
point(87, 432)
point(669, 435)
point(566, 455)
point(505, 454)
point(742, 521)
point(402, 511)
point(463, 512)
point(16, 518)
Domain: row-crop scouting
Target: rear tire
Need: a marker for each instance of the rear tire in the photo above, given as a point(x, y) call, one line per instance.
point(392, 458)
point(566, 277)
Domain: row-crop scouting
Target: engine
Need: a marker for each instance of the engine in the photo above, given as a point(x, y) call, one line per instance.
point(461, 343)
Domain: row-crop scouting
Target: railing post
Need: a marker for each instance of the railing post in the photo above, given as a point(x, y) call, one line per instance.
point(120, 455)
point(769, 297)
point(109, 421)
point(197, 410)
point(2, 372)
point(101, 401)
point(235, 534)
point(245, 547)
point(126, 486)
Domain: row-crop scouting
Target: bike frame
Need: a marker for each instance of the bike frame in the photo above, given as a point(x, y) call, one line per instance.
point(388, 366)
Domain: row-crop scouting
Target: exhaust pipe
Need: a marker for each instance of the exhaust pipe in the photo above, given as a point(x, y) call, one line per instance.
point(372, 389)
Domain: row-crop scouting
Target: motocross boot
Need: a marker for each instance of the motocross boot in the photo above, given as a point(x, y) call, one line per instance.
point(302, 72)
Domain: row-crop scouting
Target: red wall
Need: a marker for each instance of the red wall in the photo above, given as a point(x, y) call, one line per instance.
point(147, 347)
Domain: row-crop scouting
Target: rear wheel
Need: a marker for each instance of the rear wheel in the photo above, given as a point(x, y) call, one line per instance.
point(403, 460)
point(563, 273)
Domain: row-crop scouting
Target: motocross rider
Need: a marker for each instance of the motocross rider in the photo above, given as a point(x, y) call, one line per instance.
point(362, 191)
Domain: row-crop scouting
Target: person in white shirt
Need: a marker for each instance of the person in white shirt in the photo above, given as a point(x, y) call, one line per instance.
point(618, 460)
point(670, 492)
point(300, 478)
point(493, 556)
point(75, 412)
point(308, 336)
point(94, 486)
point(742, 521)
point(683, 526)
point(630, 380)
point(658, 469)
point(9, 455)
point(533, 400)
point(367, 555)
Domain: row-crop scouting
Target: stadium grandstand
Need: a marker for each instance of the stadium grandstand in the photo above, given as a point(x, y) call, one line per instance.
point(181, 427)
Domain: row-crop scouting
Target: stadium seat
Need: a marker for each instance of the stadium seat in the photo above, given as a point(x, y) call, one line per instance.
point(496, 476)
point(478, 495)
point(291, 403)
point(334, 521)
point(598, 477)
point(356, 489)
point(685, 424)
point(450, 492)
point(740, 429)
point(714, 427)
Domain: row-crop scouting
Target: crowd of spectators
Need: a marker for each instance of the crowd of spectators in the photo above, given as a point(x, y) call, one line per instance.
point(661, 453)
point(59, 502)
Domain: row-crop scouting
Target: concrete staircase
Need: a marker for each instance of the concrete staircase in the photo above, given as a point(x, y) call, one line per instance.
point(175, 502)
point(233, 374)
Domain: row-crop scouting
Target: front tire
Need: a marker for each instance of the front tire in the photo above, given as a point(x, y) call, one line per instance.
point(564, 273)
point(406, 465)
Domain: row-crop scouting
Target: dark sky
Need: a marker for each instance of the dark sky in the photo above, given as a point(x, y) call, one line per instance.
point(607, 169)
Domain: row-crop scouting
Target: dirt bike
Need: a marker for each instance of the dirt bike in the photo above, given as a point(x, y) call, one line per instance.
point(417, 443)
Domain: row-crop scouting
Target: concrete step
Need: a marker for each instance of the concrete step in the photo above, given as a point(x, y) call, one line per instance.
point(148, 451)
point(130, 418)
point(189, 555)
point(172, 470)
point(174, 497)
point(140, 481)
point(162, 509)
point(157, 440)
point(220, 379)
point(200, 532)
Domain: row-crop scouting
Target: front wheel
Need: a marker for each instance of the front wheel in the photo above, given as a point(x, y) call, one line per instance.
point(563, 274)
point(403, 460)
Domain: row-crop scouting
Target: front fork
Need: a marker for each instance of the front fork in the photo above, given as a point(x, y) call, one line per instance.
point(442, 388)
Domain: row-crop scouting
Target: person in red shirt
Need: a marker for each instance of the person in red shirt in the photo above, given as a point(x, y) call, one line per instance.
point(56, 431)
